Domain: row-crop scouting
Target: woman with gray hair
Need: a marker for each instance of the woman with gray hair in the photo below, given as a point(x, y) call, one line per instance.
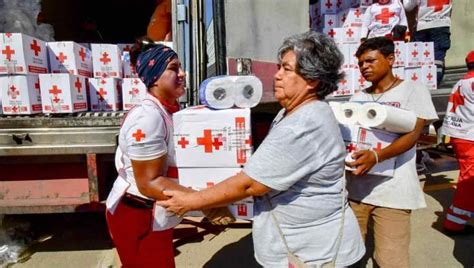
point(297, 174)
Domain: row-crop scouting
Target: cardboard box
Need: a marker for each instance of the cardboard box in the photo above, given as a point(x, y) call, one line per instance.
point(242, 210)
point(202, 178)
point(63, 93)
point(315, 17)
point(427, 52)
point(105, 94)
point(20, 94)
point(345, 87)
point(330, 20)
point(106, 61)
point(133, 92)
point(429, 76)
point(414, 74)
point(354, 18)
point(125, 47)
point(212, 138)
point(342, 17)
point(399, 72)
point(359, 138)
point(359, 82)
point(332, 33)
point(400, 54)
point(344, 48)
point(22, 54)
point(128, 70)
point(413, 54)
point(353, 61)
point(70, 57)
point(328, 6)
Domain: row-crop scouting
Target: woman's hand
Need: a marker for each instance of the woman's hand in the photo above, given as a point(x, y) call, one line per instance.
point(364, 161)
point(179, 202)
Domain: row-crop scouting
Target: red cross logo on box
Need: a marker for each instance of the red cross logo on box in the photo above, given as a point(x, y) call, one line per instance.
point(138, 135)
point(328, 4)
point(61, 58)
point(82, 54)
point(332, 33)
point(414, 53)
point(438, 4)
point(134, 92)
point(34, 46)
point(385, 16)
point(8, 35)
point(330, 22)
point(183, 142)
point(105, 58)
point(242, 210)
point(101, 94)
point(8, 52)
point(78, 85)
point(414, 77)
point(136, 82)
point(429, 76)
point(427, 53)
point(349, 32)
point(351, 147)
point(456, 99)
point(208, 142)
point(55, 91)
point(13, 92)
point(358, 13)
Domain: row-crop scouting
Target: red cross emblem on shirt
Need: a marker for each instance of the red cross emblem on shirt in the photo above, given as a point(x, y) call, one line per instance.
point(438, 4)
point(414, 77)
point(61, 57)
point(385, 16)
point(78, 85)
point(105, 58)
point(457, 99)
point(350, 32)
point(34, 46)
point(183, 142)
point(101, 93)
point(138, 135)
point(328, 4)
point(8, 52)
point(208, 142)
point(13, 92)
point(82, 54)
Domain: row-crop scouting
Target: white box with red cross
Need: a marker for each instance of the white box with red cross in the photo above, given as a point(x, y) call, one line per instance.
point(128, 70)
point(400, 54)
point(359, 138)
point(202, 178)
point(70, 57)
point(399, 72)
point(106, 60)
point(124, 47)
point(358, 81)
point(429, 76)
point(413, 52)
point(105, 94)
point(354, 18)
point(22, 54)
point(133, 92)
point(329, 6)
point(315, 16)
point(427, 53)
point(63, 93)
point(212, 138)
point(413, 74)
point(330, 21)
point(20, 94)
point(345, 85)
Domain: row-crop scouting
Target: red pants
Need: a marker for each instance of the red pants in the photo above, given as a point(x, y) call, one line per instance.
point(137, 245)
point(462, 208)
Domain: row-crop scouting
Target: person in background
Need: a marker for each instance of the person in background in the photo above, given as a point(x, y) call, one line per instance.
point(388, 200)
point(433, 22)
point(459, 126)
point(142, 231)
point(297, 174)
point(382, 17)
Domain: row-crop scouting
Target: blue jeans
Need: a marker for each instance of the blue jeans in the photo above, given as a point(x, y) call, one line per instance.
point(441, 37)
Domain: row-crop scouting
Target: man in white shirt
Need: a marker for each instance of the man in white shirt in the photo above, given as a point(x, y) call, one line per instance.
point(433, 21)
point(459, 125)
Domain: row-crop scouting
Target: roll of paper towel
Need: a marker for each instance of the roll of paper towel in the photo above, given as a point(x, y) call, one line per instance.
point(336, 109)
point(349, 113)
point(389, 118)
point(217, 92)
point(248, 91)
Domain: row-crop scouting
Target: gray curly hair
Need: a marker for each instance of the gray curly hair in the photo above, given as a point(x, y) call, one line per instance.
point(317, 59)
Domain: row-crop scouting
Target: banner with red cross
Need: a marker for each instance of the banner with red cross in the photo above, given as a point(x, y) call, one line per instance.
point(106, 61)
point(63, 93)
point(210, 138)
point(70, 57)
point(22, 54)
point(105, 94)
point(133, 92)
point(20, 95)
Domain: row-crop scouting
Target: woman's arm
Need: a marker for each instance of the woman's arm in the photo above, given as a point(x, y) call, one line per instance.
point(232, 189)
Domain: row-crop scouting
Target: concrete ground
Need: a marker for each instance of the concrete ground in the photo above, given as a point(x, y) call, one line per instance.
point(81, 240)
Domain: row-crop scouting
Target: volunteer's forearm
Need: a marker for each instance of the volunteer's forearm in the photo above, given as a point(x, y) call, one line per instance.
point(403, 143)
point(154, 188)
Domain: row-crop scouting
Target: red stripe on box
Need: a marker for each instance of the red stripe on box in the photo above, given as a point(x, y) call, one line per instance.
point(37, 69)
point(3, 69)
point(84, 73)
point(80, 106)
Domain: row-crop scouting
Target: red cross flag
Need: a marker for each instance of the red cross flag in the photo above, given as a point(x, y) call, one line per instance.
point(104, 95)
point(106, 61)
point(428, 76)
point(216, 138)
point(70, 57)
point(22, 54)
point(63, 93)
point(133, 92)
point(20, 95)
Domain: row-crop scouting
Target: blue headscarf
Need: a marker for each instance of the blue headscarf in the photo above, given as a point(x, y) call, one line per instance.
point(152, 62)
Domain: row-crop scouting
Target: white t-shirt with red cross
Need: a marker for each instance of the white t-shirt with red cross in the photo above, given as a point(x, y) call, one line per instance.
point(431, 13)
point(379, 20)
point(146, 134)
point(459, 118)
point(402, 190)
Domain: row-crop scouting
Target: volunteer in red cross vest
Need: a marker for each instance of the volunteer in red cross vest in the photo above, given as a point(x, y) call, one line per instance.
point(388, 200)
point(459, 125)
point(382, 17)
point(433, 22)
point(141, 230)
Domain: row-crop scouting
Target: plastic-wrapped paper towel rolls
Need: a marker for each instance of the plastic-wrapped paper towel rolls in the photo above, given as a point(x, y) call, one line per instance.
point(217, 92)
point(248, 91)
point(349, 113)
point(388, 118)
point(336, 109)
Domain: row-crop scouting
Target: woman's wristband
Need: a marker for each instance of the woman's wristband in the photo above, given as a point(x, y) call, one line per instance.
point(376, 156)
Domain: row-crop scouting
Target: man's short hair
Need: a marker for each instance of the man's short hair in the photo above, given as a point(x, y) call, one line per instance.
point(382, 44)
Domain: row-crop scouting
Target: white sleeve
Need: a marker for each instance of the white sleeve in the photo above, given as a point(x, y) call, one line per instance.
point(145, 136)
point(366, 20)
point(421, 104)
point(403, 19)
